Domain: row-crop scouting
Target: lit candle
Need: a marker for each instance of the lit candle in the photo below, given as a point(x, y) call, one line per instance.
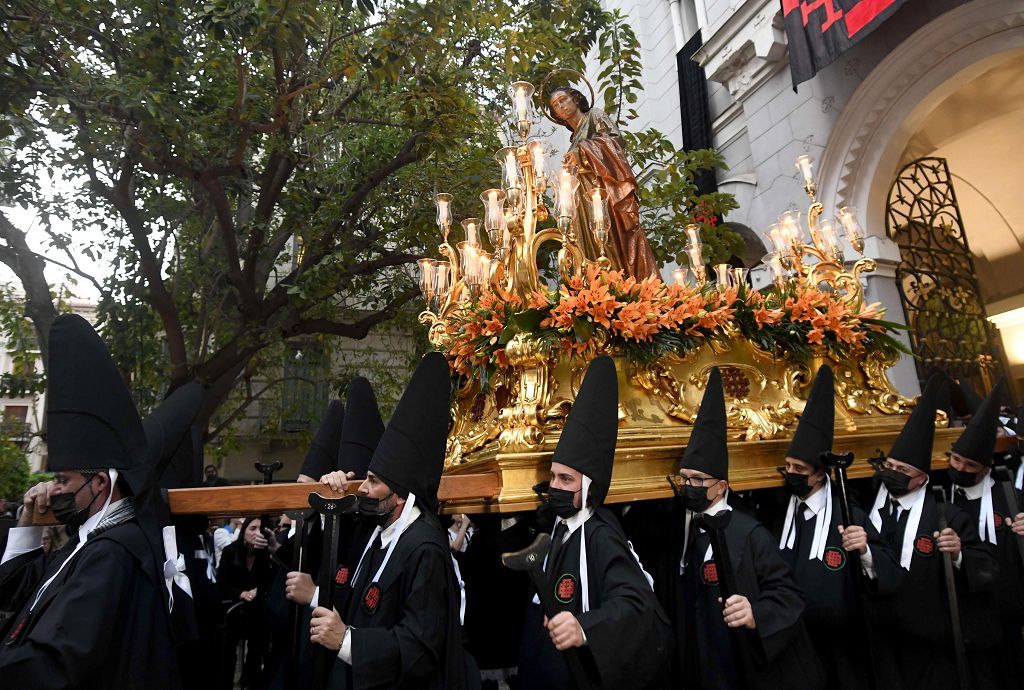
point(511, 170)
point(679, 275)
point(472, 227)
point(521, 103)
point(693, 233)
point(442, 280)
point(494, 212)
point(427, 269)
point(444, 211)
point(539, 159)
point(722, 275)
point(598, 205)
point(829, 240)
point(847, 217)
point(803, 164)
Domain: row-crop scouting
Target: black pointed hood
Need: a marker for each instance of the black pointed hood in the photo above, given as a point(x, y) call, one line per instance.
point(362, 429)
point(1019, 424)
point(914, 444)
point(322, 456)
point(587, 443)
point(91, 419)
point(708, 448)
point(167, 425)
point(978, 441)
point(816, 430)
point(410, 454)
point(968, 398)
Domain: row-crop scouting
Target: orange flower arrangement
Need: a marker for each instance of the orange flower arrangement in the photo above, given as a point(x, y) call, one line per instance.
point(645, 319)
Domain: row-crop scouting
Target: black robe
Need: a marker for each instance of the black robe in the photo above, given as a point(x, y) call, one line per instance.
point(778, 653)
point(102, 623)
point(494, 593)
point(629, 638)
point(1005, 602)
point(405, 628)
point(835, 615)
point(913, 630)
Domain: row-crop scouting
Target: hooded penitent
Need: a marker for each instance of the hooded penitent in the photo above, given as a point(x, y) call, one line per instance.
point(362, 428)
point(914, 444)
point(708, 448)
point(587, 443)
point(410, 455)
point(91, 420)
point(816, 430)
point(978, 441)
point(167, 428)
point(322, 456)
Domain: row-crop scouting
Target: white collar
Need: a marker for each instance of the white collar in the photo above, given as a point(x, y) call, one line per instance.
point(816, 501)
point(90, 524)
point(576, 521)
point(909, 499)
point(389, 531)
point(976, 491)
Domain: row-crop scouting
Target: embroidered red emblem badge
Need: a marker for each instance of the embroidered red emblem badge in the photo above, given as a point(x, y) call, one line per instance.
point(371, 599)
point(709, 573)
point(341, 577)
point(924, 545)
point(998, 520)
point(565, 590)
point(17, 630)
point(834, 558)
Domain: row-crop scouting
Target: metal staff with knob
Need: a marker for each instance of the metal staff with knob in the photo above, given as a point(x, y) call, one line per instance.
point(839, 464)
point(951, 596)
point(298, 562)
point(531, 561)
point(715, 526)
point(332, 509)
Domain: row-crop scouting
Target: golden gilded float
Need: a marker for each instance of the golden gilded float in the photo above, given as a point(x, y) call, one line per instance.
point(521, 346)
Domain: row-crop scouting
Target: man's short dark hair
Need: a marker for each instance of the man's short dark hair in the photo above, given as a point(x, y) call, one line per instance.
point(210, 467)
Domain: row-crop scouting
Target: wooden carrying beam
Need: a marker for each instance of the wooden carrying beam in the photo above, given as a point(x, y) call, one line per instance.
point(271, 499)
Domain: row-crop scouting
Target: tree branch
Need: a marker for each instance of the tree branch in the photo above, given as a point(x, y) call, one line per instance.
point(357, 330)
point(29, 268)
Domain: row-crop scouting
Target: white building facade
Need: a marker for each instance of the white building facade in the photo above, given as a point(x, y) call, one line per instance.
point(939, 80)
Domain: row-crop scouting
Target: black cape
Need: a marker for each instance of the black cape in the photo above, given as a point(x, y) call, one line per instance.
point(913, 630)
point(779, 651)
point(835, 605)
point(406, 631)
point(621, 600)
point(1005, 603)
point(112, 580)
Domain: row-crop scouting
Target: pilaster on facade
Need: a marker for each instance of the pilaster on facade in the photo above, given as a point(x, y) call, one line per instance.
point(747, 48)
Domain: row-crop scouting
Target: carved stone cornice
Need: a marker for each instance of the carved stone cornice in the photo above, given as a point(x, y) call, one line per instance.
point(746, 48)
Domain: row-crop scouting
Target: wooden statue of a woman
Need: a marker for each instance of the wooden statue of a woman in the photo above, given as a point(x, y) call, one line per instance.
point(598, 153)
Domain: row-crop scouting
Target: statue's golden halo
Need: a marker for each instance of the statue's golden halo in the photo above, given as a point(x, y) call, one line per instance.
point(542, 91)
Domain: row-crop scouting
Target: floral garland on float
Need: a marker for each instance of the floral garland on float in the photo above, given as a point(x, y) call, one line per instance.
point(644, 320)
point(520, 340)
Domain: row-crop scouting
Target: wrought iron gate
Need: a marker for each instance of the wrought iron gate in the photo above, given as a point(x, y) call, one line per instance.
point(936, 276)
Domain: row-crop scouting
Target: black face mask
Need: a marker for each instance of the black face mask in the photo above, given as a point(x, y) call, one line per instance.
point(562, 502)
point(695, 498)
point(369, 509)
point(796, 484)
point(897, 483)
point(63, 508)
point(963, 478)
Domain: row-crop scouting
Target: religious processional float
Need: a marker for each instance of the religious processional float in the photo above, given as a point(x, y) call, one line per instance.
point(520, 340)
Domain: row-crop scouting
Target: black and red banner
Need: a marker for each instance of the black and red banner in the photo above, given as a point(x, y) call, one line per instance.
point(819, 31)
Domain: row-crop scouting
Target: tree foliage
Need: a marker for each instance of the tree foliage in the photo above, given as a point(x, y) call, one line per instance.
point(259, 172)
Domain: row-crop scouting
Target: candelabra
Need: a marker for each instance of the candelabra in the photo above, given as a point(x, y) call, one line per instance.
point(786, 262)
point(511, 217)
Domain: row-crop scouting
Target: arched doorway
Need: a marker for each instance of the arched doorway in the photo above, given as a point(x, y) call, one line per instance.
point(951, 91)
point(937, 278)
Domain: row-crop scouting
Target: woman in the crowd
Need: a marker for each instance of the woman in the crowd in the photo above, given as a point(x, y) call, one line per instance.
point(244, 576)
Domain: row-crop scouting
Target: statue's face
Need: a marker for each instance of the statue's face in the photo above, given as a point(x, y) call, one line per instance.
point(563, 106)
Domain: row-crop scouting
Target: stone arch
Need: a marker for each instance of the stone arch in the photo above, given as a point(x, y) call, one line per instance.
point(866, 144)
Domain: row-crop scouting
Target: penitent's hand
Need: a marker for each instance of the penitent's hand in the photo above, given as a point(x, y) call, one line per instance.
point(338, 481)
point(36, 502)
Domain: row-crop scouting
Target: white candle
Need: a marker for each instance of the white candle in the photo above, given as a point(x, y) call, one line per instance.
point(598, 207)
point(803, 164)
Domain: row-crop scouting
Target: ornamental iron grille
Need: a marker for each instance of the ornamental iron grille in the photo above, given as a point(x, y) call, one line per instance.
point(948, 328)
